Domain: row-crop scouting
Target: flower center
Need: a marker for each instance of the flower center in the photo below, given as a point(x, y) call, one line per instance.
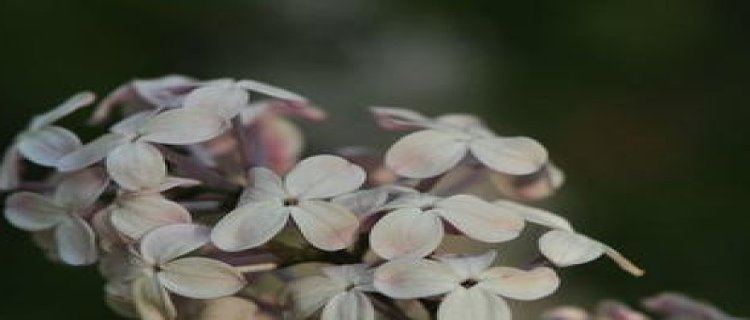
point(468, 283)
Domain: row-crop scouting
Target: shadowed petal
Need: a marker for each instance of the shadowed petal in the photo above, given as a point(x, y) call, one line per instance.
point(326, 225)
point(32, 212)
point(324, 176)
point(81, 189)
point(409, 278)
point(200, 278)
point(91, 152)
point(151, 300)
point(519, 284)
point(310, 294)
point(349, 305)
point(169, 242)
point(10, 170)
point(517, 156)
point(468, 266)
point(425, 154)
point(75, 242)
point(250, 225)
point(136, 166)
point(266, 185)
point(48, 145)
point(135, 216)
point(406, 232)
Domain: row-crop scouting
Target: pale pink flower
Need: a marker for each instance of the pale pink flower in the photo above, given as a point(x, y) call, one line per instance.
point(340, 292)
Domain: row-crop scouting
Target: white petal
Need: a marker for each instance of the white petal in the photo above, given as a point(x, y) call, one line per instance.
point(565, 248)
point(519, 284)
point(183, 126)
point(269, 90)
point(462, 121)
point(350, 305)
point(412, 200)
point(310, 294)
point(324, 176)
point(468, 266)
point(409, 278)
point(151, 300)
point(425, 154)
point(398, 118)
point(76, 244)
point(406, 232)
point(537, 216)
point(200, 278)
point(32, 212)
point(73, 103)
point(475, 304)
point(91, 152)
point(517, 156)
point(224, 100)
point(135, 216)
point(363, 202)
point(10, 170)
point(81, 189)
point(250, 225)
point(48, 145)
point(266, 185)
point(131, 124)
point(325, 225)
point(169, 242)
point(174, 182)
point(136, 166)
point(479, 219)
point(351, 274)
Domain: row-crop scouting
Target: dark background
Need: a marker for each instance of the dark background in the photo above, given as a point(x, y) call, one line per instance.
point(643, 102)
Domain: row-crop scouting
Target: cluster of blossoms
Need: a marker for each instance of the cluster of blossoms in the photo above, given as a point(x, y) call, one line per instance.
point(197, 204)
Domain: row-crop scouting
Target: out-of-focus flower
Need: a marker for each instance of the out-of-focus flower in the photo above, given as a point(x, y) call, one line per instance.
point(563, 245)
point(474, 289)
point(266, 207)
point(675, 306)
point(340, 291)
point(162, 270)
point(42, 142)
point(64, 212)
point(531, 187)
point(415, 226)
point(565, 313)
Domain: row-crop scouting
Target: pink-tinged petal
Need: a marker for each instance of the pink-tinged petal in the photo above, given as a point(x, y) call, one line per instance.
point(10, 169)
point(536, 216)
point(325, 225)
point(479, 219)
point(200, 278)
point(410, 278)
point(175, 182)
point(250, 225)
point(519, 284)
point(136, 215)
point(398, 119)
point(426, 154)
point(324, 176)
point(91, 152)
point(565, 248)
point(516, 156)
point(566, 313)
point(73, 103)
point(363, 202)
point(412, 200)
point(531, 187)
point(46, 146)
point(349, 305)
point(299, 109)
point(266, 185)
point(276, 142)
point(33, 212)
point(473, 303)
point(408, 232)
point(136, 166)
point(81, 189)
point(166, 243)
point(468, 266)
point(183, 126)
point(309, 294)
point(76, 243)
point(269, 90)
point(224, 100)
point(151, 299)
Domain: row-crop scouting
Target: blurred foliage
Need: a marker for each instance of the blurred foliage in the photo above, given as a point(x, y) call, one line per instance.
point(644, 103)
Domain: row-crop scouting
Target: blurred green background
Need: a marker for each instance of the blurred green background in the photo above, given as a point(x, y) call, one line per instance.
point(644, 104)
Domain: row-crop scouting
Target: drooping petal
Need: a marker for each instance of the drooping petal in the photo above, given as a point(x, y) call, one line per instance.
point(32, 212)
point(349, 305)
point(327, 226)
point(169, 242)
point(311, 293)
point(73, 103)
point(473, 303)
point(250, 225)
point(565, 248)
point(224, 100)
point(135, 216)
point(324, 176)
point(183, 126)
point(269, 90)
point(479, 219)
point(415, 278)
point(91, 152)
point(519, 284)
point(398, 118)
point(48, 145)
point(151, 299)
point(468, 266)
point(363, 202)
point(623, 262)
point(535, 215)
point(75, 241)
point(200, 278)
point(408, 232)
point(10, 169)
point(517, 156)
point(136, 166)
point(425, 154)
point(81, 189)
point(266, 185)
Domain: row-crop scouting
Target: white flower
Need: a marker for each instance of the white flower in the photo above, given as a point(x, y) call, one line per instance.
point(415, 227)
point(340, 291)
point(474, 289)
point(563, 246)
point(64, 213)
point(42, 142)
point(163, 271)
point(448, 139)
point(266, 207)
